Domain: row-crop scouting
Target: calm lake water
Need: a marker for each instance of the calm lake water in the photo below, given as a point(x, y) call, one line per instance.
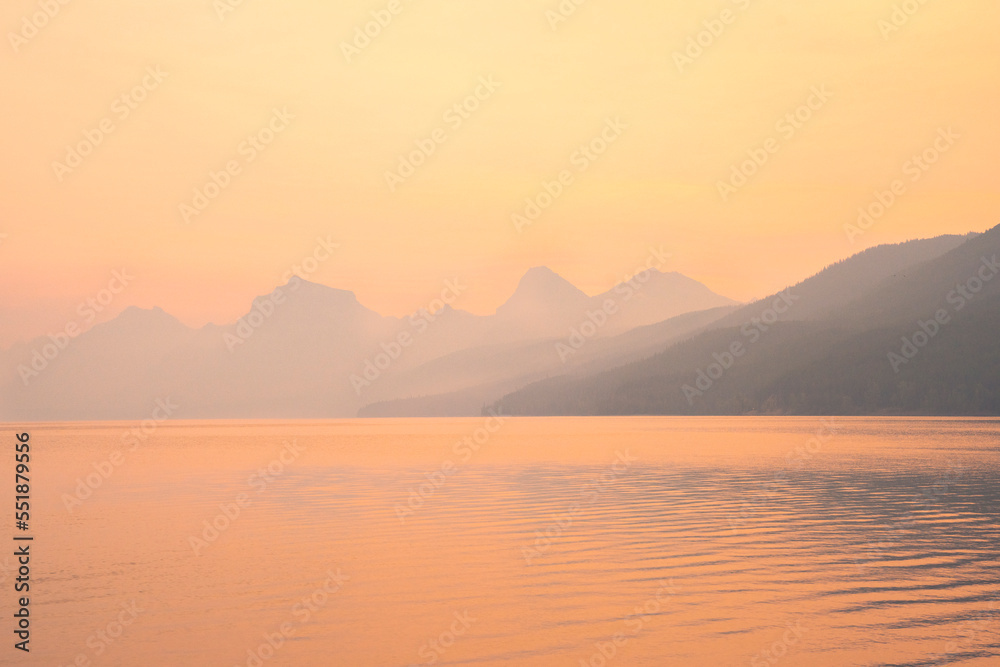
point(610, 541)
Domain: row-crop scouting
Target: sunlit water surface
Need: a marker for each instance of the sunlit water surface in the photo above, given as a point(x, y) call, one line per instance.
point(613, 541)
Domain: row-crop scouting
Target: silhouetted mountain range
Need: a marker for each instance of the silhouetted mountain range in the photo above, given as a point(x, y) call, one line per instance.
point(898, 329)
point(909, 328)
point(308, 350)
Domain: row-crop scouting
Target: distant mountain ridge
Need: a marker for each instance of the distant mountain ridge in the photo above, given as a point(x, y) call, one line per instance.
point(847, 340)
point(307, 350)
point(904, 329)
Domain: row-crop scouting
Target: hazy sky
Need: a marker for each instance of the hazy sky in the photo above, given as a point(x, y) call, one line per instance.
point(682, 126)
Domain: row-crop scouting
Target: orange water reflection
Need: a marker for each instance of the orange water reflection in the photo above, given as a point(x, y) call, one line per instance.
point(632, 541)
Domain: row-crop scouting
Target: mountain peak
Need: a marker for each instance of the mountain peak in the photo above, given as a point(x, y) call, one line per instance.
point(541, 273)
point(297, 285)
point(316, 296)
point(540, 290)
point(139, 309)
point(136, 314)
point(138, 322)
point(542, 280)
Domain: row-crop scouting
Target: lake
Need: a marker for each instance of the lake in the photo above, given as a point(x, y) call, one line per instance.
point(570, 541)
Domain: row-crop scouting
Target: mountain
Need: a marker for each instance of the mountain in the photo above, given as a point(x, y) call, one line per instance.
point(654, 296)
point(290, 355)
point(479, 376)
point(541, 305)
point(545, 328)
point(904, 329)
point(546, 305)
point(849, 340)
point(307, 350)
point(101, 373)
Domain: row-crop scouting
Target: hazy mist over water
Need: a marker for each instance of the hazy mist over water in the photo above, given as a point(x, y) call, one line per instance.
point(618, 541)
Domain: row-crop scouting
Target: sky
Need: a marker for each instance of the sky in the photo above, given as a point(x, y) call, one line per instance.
point(619, 120)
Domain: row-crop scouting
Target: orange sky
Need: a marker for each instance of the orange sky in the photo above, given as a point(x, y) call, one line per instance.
point(323, 175)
